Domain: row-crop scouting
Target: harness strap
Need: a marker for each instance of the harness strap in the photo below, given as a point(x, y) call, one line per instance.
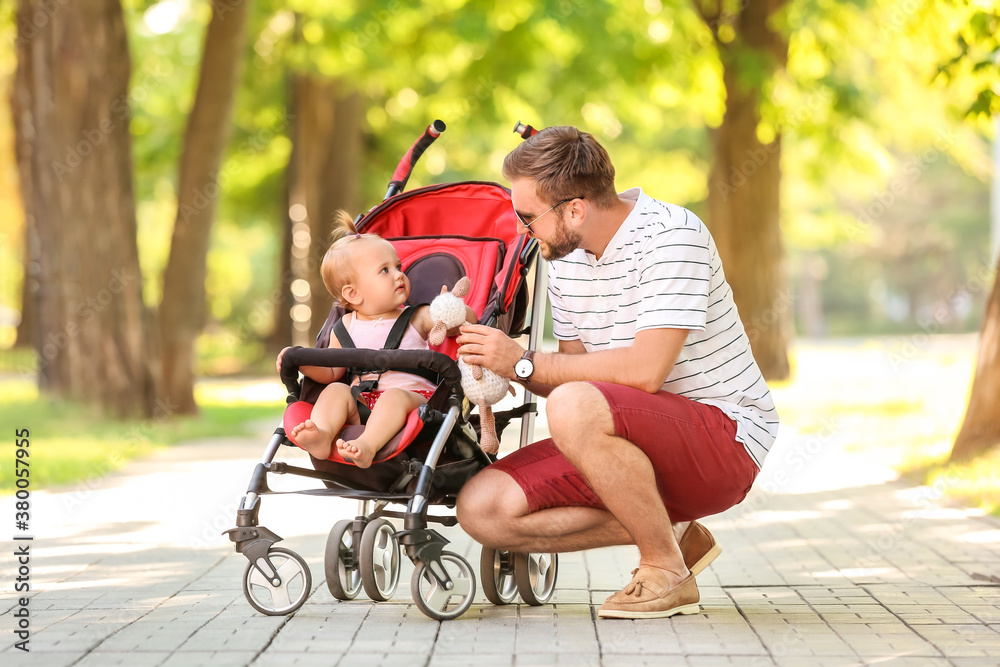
point(392, 342)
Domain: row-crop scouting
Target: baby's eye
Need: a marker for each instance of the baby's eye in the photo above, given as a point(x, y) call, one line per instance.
point(385, 269)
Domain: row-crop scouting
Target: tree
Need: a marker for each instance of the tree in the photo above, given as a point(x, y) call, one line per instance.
point(745, 178)
point(327, 151)
point(182, 309)
point(978, 49)
point(74, 155)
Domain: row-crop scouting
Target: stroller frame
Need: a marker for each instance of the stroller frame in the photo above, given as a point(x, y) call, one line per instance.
point(363, 552)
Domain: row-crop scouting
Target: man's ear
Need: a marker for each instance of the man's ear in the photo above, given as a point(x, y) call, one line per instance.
point(577, 212)
point(351, 295)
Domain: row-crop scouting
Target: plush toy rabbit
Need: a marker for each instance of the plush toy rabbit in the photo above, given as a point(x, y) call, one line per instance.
point(482, 386)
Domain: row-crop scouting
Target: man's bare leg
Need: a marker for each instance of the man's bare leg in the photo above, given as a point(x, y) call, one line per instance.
point(620, 474)
point(492, 508)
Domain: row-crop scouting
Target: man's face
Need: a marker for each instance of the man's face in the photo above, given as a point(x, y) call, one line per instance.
point(542, 220)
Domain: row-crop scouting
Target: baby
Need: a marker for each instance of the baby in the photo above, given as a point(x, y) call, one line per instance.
point(364, 274)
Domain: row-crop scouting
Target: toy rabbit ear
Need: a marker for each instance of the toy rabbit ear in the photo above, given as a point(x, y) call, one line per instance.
point(462, 287)
point(444, 289)
point(437, 333)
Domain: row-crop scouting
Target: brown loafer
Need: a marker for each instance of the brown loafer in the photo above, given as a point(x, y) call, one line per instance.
point(698, 547)
point(649, 595)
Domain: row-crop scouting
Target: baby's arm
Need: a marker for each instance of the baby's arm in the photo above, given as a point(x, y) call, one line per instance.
point(422, 322)
point(321, 374)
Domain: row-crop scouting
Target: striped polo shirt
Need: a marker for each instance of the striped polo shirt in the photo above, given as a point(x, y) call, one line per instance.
point(661, 270)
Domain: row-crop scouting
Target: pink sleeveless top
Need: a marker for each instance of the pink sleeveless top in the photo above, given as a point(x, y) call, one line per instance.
point(371, 334)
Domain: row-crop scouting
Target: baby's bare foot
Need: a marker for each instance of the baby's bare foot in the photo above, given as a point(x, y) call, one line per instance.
point(311, 438)
point(356, 451)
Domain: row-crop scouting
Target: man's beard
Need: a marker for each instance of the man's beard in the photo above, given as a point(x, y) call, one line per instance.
point(564, 242)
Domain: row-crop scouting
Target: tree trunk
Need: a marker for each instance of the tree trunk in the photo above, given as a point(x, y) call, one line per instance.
point(182, 309)
point(328, 150)
point(75, 161)
point(20, 101)
point(29, 287)
point(745, 183)
point(281, 332)
point(981, 428)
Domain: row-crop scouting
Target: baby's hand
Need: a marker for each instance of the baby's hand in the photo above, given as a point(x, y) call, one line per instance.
point(277, 363)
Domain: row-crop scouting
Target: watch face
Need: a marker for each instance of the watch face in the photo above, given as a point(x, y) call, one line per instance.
point(524, 368)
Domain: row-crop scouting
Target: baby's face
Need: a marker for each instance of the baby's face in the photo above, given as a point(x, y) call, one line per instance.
point(379, 278)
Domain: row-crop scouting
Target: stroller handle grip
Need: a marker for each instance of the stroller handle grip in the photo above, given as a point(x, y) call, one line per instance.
point(409, 160)
point(401, 360)
point(524, 131)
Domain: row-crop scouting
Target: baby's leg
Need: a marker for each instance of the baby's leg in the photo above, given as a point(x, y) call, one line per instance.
point(334, 408)
point(388, 416)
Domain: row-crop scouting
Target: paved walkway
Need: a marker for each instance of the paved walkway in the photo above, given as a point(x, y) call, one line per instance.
point(826, 563)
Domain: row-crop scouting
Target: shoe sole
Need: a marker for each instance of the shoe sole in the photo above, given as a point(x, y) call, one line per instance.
point(706, 560)
point(621, 613)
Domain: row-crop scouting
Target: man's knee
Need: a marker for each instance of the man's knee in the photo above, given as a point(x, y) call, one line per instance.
point(574, 408)
point(487, 502)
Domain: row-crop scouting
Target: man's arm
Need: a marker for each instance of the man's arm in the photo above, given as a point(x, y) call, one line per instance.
point(643, 365)
point(539, 389)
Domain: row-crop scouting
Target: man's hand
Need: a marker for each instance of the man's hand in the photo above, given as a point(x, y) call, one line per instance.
point(488, 347)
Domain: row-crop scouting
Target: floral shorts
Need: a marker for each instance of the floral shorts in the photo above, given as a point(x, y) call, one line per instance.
point(369, 398)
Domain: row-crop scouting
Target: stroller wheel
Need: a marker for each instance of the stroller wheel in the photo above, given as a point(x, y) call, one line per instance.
point(496, 571)
point(285, 596)
point(536, 576)
point(340, 562)
point(432, 597)
point(379, 560)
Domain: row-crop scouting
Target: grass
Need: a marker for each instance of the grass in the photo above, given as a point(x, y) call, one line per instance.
point(69, 444)
point(900, 402)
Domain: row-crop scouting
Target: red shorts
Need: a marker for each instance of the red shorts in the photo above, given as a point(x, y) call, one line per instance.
point(370, 398)
point(701, 469)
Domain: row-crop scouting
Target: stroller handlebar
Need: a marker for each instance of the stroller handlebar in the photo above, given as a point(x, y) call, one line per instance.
point(401, 360)
point(409, 160)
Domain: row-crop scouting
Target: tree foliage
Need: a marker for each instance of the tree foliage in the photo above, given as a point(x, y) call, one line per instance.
point(869, 84)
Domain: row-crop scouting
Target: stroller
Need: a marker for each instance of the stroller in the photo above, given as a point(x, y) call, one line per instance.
point(441, 233)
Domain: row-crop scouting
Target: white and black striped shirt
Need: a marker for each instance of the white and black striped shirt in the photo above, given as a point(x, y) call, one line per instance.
point(661, 270)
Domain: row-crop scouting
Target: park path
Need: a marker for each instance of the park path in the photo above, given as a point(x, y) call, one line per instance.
point(829, 561)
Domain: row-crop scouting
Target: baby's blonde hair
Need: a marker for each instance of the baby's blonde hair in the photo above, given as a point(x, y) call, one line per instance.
point(338, 268)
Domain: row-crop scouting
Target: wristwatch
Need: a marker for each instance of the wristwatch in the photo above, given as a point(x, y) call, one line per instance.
point(525, 367)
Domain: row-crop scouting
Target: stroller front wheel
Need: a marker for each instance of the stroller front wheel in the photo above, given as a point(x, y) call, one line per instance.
point(379, 562)
point(433, 598)
point(340, 562)
point(288, 593)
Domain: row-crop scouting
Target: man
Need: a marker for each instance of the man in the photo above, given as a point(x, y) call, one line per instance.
point(657, 410)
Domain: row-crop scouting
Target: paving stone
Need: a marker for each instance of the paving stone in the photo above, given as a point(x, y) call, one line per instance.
point(854, 575)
